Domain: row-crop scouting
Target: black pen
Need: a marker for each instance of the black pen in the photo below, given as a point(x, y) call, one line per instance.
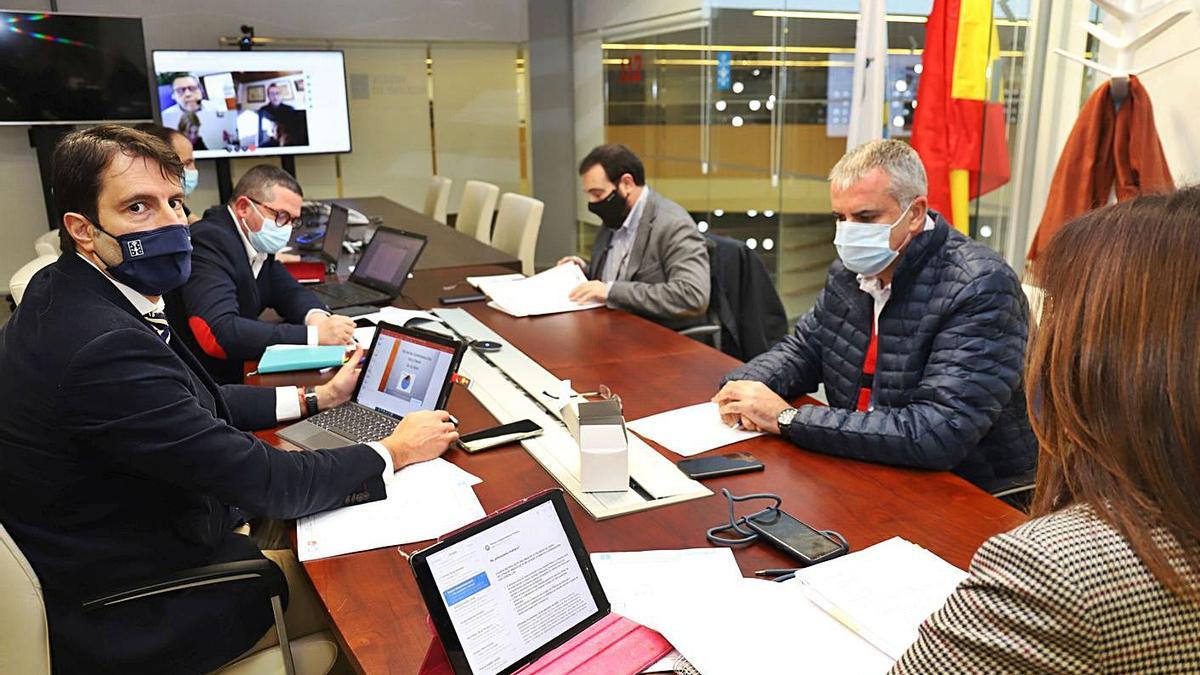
point(775, 572)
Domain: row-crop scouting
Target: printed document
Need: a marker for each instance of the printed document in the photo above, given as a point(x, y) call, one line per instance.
point(545, 293)
point(424, 501)
point(691, 430)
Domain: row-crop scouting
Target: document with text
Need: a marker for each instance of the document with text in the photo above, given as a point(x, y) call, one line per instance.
point(544, 293)
point(691, 430)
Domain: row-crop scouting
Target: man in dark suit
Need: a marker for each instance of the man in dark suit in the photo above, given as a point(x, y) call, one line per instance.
point(649, 258)
point(120, 460)
point(235, 277)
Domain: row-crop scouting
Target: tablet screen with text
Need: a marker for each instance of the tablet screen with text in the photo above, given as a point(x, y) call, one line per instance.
point(513, 589)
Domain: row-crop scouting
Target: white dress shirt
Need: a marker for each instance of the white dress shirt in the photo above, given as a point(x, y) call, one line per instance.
point(287, 399)
point(621, 243)
point(257, 259)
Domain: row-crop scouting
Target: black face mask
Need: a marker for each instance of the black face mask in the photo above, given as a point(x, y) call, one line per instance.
point(611, 210)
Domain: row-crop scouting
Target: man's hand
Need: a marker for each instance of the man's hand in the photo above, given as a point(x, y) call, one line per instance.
point(338, 390)
point(590, 291)
point(751, 403)
point(333, 329)
point(572, 259)
point(420, 436)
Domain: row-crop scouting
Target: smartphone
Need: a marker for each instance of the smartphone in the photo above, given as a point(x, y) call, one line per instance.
point(460, 299)
point(501, 435)
point(721, 465)
point(795, 538)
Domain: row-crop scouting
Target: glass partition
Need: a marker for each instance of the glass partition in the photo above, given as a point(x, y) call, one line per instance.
point(741, 120)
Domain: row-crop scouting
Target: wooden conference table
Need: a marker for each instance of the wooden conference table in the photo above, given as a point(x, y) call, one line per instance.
point(373, 600)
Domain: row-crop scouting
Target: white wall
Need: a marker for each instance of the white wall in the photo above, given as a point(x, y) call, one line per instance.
point(192, 24)
point(1174, 90)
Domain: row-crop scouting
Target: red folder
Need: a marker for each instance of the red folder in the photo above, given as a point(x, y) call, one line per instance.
point(307, 272)
point(613, 645)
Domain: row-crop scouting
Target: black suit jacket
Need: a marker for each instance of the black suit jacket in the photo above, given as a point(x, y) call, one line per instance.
point(119, 463)
point(217, 310)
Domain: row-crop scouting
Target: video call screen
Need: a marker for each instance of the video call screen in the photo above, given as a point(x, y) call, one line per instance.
point(235, 104)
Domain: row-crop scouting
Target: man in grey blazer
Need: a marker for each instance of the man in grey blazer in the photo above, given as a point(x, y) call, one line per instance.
point(649, 258)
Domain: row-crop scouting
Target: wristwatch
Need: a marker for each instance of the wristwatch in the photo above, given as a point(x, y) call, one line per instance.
point(310, 401)
point(785, 420)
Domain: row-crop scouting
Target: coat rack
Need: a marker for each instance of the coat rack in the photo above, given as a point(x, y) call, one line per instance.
point(1131, 29)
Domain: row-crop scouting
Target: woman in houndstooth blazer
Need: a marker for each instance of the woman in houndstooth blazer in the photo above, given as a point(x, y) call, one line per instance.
point(1106, 577)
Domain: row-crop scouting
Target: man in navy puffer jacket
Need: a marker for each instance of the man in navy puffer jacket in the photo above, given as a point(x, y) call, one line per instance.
point(918, 336)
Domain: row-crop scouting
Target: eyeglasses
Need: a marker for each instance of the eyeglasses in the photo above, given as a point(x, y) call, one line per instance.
point(190, 89)
point(281, 218)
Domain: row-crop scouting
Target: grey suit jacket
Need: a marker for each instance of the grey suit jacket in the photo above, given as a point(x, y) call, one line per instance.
point(666, 278)
point(1064, 593)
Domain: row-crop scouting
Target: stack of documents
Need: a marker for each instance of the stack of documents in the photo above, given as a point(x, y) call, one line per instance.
point(424, 501)
point(545, 293)
point(483, 282)
point(691, 430)
point(854, 614)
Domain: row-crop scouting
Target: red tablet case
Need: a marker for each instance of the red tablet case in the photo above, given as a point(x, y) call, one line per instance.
point(613, 645)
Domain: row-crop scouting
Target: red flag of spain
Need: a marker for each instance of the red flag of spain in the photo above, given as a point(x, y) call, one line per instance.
point(959, 134)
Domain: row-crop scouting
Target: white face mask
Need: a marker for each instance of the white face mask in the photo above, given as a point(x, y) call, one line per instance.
point(866, 248)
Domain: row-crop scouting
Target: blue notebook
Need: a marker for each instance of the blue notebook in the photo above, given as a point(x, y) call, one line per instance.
point(283, 358)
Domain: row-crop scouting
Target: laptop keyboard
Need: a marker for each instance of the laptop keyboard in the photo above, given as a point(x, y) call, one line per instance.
point(344, 295)
point(356, 423)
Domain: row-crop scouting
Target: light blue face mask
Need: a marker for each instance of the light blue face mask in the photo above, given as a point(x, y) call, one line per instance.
point(271, 238)
point(866, 248)
point(191, 178)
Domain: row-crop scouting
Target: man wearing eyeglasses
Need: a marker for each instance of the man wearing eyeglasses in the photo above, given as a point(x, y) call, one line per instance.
point(185, 116)
point(235, 277)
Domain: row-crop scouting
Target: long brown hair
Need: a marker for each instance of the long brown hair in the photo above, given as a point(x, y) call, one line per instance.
point(1113, 377)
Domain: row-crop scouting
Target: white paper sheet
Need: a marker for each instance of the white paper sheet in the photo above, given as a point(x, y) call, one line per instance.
point(424, 501)
point(544, 293)
point(641, 584)
point(884, 591)
point(691, 430)
point(757, 626)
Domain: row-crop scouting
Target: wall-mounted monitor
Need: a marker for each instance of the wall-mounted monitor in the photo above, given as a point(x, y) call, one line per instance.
point(241, 104)
point(72, 69)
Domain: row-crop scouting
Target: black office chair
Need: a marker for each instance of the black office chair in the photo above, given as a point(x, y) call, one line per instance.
point(1019, 494)
point(745, 315)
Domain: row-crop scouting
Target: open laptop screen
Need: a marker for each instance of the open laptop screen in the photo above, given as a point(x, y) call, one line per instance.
point(405, 373)
point(335, 232)
point(511, 587)
point(388, 259)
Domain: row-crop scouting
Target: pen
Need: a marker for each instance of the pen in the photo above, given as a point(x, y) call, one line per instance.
point(775, 572)
point(790, 575)
point(453, 419)
point(736, 425)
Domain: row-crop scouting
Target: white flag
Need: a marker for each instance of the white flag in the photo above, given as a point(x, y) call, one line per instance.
point(870, 74)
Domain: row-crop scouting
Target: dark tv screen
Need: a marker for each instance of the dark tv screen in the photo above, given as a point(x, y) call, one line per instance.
point(70, 68)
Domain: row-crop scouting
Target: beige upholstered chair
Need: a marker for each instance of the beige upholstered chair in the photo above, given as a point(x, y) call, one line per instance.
point(437, 198)
point(19, 280)
point(25, 642)
point(517, 225)
point(476, 208)
point(47, 244)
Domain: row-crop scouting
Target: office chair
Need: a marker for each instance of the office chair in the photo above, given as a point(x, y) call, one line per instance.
point(517, 225)
point(21, 278)
point(47, 244)
point(476, 209)
point(25, 640)
point(437, 198)
point(1020, 493)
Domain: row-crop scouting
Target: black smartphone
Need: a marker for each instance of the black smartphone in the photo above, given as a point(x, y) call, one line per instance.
point(499, 435)
point(460, 299)
point(721, 465)
point(795, 538)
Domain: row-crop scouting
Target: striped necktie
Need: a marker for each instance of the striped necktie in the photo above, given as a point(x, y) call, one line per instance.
point(158, 321)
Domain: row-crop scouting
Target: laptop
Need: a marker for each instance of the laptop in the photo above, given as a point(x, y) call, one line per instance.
point(312, 268)
point(514, 587)
point(380, 273)
point(407, 369)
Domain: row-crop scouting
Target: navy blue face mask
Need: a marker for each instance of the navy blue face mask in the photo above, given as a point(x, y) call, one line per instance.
point(153, 262)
